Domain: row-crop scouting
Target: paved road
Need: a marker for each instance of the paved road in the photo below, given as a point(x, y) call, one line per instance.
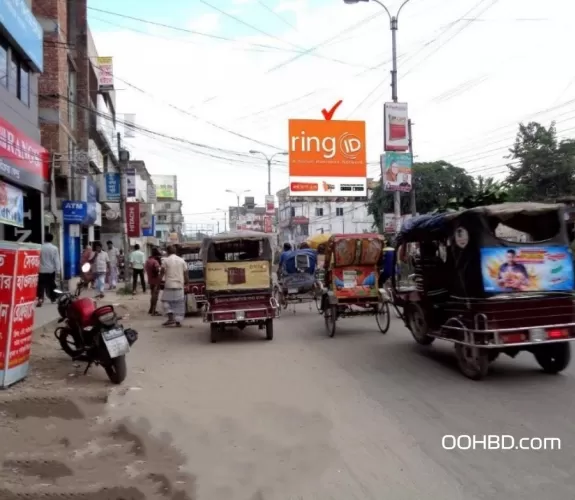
point(359, 416)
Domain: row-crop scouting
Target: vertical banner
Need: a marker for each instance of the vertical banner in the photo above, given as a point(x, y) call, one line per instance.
point(268, 224)
point(111, 187)
point(151, 192)
point(270, 205)
point(133, 219)
point(396, 133)
point(145, 216)
point(131, 182)
point(397, 171)
point(105, 74)
point(327, 158)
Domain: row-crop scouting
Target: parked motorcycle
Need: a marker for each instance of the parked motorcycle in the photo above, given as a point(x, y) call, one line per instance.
point(93, 334)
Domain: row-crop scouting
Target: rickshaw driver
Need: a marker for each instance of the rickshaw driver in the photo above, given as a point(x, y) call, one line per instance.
point(283, 256)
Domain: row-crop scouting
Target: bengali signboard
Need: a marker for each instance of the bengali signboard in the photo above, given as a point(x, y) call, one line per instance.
point(105, 74)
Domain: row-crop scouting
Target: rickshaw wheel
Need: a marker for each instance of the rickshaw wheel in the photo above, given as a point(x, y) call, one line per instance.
point(382, 316)
point(213, 333)
point(269, 329)
point(417, 324)
point(553, 358)
point(330, 317)
point(472, 361)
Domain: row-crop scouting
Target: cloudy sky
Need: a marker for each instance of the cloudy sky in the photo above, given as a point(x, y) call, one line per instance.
point(210, 80)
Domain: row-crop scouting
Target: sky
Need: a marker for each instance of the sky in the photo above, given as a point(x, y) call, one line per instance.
point(223, 77)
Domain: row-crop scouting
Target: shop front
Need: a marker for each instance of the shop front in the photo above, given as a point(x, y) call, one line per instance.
point(24, 176)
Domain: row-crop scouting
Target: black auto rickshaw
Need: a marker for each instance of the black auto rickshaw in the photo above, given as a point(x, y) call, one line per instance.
point(489, 295)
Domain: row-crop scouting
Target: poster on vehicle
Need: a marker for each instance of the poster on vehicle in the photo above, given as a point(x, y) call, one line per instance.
point(237, 275)
point(395, 124)
point(533, 269)
point(327, 158)
point(397, 171)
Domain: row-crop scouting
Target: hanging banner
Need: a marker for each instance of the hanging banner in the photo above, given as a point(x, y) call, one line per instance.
point(268, 224)
point(111, 187)
point(145, 216)
point(151, 191)
point(11, 205)
point(327, 158)
point(396, 133)
point(133, 219)
point(105, 74)
point(397, 171)
point(270, 205)
point(131, 182)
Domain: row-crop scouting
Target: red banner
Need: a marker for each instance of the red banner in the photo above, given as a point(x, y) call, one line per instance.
point(268, 224)
point(133, 219)
point(7, 265)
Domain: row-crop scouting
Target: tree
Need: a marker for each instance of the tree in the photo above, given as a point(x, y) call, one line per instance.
point(543, 167)
point(436, 183)
point(487, 191)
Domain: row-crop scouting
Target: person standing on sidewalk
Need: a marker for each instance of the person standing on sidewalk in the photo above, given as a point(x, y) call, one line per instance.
point(100, 266)
point(153, 270)
point(49, 268)
point(113, 256)
point(137, 262)
point(175, 272)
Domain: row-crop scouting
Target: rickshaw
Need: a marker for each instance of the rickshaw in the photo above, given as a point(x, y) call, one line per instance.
point(351, 285)
point(297, 282)
point(195, 292)
point(318, 243)
point(238, 273)
point(491, 296)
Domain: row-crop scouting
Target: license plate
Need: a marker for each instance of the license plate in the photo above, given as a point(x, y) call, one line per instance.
point(292, 290)
point(117, 344)
point(240, 315)
point(537, 334)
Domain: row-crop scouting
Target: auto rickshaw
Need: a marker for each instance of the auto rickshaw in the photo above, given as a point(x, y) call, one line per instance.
point(297, 282)
point(488, 295)
point(239, 286)
point(351, 286)
point(195, 291)
point(318, 243)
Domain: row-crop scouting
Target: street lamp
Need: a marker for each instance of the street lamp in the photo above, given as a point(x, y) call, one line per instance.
point(393, 27)
point(225, 218)
point(269, 160)
point(238, 194)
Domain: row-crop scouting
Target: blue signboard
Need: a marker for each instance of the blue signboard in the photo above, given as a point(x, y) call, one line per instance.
point(74, 212)
point(150, 231)
point(91, 191)
point(17, 19)
point(131, 182)
point(113, 184)
point(91, 213)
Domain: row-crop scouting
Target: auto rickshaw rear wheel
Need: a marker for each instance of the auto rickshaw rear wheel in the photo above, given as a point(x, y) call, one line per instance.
point(269, 329)
point(214, 330)
point(330, 317)
point(553, 358)
point(382, 316)
point(417, 323)
point(472, 361)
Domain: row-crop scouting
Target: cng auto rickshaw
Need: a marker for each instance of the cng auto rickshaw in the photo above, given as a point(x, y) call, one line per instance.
point(239, 290)
point(318, 242)
point(488, 295)
point(195, 291)
point(351, 286)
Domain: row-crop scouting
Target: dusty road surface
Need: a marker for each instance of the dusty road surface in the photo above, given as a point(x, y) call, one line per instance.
point(359, 416)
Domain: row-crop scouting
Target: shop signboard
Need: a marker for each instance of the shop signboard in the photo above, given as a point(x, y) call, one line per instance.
point(11, 205)
point(133, 219)
point(111, 188)
point(131, 182)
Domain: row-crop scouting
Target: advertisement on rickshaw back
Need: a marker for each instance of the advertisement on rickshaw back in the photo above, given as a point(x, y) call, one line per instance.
point(354, 282)
point(541, 269)
point(237, 275)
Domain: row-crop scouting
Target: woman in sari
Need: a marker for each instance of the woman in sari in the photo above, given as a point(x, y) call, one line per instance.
point(87, 256)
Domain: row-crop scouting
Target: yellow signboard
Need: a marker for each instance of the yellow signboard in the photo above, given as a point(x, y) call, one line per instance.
point(237, 275)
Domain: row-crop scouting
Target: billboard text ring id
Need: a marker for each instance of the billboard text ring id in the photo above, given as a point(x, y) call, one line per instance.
point(327, 151)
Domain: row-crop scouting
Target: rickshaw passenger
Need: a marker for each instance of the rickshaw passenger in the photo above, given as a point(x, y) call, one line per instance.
point(430, 271)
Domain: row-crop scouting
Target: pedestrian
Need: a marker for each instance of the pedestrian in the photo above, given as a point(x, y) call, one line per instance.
point(86, 258)
point(175, 274)
point(153, 270)
point(49, 268)
point(113, 257)
point(100, 267)
point(137, 262)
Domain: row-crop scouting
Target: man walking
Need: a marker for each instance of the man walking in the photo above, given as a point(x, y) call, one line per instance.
point(153, 270)
point(175, 272)
point(100, 267)
point(49, 267)
point(137, 261)
point(113, 257)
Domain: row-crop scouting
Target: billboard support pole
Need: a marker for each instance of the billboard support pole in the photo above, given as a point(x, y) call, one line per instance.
point(396, 194)
point(124, 157)
point(412, 194)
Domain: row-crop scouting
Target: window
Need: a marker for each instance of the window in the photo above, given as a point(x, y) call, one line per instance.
point(292, 211)
point(71, 97)
point(339, 211)
point(24, 87)
point(167, 206)
point(319, 212)
point(13, 74)
point(19, 79)
point(3, 63)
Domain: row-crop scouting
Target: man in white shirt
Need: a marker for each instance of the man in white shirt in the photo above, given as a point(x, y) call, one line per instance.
point(113, 257)
point(100, 267)
point(49, 267)
point(137, 261)
point(175, 274)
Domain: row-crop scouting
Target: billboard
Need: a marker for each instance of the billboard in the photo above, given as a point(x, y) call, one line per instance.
point(520, 269)
point(166, 186)
point(327, 158)
point(105, 74)
point(270, 205)
point(397, 171)
point(395, 126)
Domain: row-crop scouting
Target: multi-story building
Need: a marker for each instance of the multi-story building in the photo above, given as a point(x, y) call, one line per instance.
point(168, 209)
point(250, 217)
point(24, 163)
point(299, 218)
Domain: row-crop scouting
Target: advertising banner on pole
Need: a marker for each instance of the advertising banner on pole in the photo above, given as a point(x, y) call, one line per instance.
point(268, 224)
point(133, 219)
point(270, 205)
point(327, 158)
point(397, 171)
point(131, 182)
point(395, 126)
point(105, 74)
point(145, 216)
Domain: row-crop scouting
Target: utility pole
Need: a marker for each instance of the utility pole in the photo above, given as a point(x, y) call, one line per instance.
point(124, 158)
point(412, 193)
point(269, 161)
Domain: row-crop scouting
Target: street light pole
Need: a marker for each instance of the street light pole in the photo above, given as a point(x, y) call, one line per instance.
point(269, 160)
point(238, 194)
point(393, 25)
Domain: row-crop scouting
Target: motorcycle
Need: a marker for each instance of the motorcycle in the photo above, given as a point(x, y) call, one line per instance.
point(92, 334)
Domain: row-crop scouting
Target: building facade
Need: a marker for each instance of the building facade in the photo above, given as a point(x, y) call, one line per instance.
point(24, 163)
point(169, 220)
